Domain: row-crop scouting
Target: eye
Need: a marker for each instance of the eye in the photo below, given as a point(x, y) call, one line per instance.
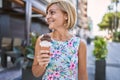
point(52, 12)
point(46, 12)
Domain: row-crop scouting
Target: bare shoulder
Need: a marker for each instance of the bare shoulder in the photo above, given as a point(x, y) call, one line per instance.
point(82, 44)
point(82, 47)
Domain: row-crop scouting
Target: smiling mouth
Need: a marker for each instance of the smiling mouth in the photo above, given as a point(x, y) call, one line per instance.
point(50, 22)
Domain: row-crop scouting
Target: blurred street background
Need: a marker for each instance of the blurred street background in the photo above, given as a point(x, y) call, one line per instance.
point(22, 21)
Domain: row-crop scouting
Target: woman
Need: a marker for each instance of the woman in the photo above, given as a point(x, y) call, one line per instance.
point(68, 59)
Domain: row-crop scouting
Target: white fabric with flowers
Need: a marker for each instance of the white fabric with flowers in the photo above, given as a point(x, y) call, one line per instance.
point(64, 60)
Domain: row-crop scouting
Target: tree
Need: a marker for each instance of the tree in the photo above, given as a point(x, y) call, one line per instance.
point(116, 20)
point(108, 21)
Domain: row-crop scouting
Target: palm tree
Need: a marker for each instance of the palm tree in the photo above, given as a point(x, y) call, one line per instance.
point(116, 21)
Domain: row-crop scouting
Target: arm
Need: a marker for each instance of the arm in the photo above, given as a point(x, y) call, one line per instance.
point(37, 70)
point(82, 69)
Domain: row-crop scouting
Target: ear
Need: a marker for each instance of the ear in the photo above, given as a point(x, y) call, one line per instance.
point(66, 16)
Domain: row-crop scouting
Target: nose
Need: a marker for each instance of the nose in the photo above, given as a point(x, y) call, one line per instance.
point(47, 16)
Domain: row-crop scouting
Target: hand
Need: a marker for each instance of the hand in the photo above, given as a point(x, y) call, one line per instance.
point(43, 57)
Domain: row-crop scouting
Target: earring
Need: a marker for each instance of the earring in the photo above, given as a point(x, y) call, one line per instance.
point(66, 18)
point(65, 24)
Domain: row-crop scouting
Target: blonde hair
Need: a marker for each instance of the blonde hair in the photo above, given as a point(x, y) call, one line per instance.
point(68, 8)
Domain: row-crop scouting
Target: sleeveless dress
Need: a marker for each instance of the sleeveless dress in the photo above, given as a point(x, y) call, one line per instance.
point(63, 63)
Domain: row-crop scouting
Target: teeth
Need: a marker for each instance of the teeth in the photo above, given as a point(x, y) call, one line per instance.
point(50, 22)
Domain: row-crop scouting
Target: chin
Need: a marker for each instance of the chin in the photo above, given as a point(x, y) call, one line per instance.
point(51, 27)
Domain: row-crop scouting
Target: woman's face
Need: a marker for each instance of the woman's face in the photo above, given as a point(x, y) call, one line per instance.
point(55, 17)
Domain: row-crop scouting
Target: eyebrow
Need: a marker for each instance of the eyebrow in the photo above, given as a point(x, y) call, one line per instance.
point(51, 10)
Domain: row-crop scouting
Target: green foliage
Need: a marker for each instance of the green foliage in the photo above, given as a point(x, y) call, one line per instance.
point(108, 20)
point(116, 36)
point(29, 50)
point(100, 48)
point(115, 0)
point(103, 25)
point(118, 15)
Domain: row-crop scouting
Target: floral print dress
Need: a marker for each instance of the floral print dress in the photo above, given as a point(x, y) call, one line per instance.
point(64, 60)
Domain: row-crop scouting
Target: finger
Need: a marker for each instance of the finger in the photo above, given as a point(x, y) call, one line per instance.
point(45, 56)
point(43, 59)
point(43, 63)
point(44, 51)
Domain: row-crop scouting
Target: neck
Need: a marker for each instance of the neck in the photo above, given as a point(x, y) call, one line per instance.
point(62, 35)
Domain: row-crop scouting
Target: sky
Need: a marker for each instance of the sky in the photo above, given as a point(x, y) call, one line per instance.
point(96, 10)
